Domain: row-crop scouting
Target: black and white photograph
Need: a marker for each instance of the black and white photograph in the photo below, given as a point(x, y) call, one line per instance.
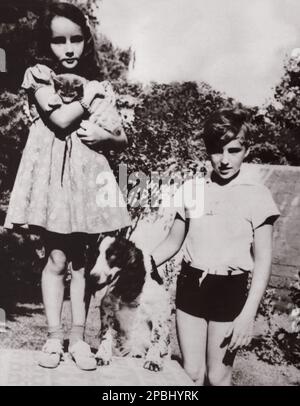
point(149, 195)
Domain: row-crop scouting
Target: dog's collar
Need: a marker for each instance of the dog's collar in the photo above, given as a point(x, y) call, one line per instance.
point(154, 272)
point(108, 281)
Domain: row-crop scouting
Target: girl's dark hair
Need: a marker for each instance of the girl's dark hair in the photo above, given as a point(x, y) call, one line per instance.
point(88, 64)
point(225, 125)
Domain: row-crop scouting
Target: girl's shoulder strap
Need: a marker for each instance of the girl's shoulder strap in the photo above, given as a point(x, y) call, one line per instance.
point(36, 77)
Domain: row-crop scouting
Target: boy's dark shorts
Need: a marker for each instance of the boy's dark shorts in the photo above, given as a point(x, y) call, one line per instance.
point(218, 298)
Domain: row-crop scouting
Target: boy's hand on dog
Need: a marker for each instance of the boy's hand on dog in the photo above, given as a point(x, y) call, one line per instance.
point(240, 332)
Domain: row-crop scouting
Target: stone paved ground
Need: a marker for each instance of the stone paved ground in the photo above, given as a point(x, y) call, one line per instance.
point(20, 368)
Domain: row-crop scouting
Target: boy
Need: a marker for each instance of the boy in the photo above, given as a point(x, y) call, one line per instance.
point(226, 236)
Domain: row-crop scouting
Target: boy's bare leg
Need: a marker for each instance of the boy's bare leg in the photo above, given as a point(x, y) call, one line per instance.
point(219, 374)
point(192, 334)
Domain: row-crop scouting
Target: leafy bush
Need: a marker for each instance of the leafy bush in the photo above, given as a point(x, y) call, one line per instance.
point(20, 265)
point(13, 136)
point(279, 120)
point(281, 342)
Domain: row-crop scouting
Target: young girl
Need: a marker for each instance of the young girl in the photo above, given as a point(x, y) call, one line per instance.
point(56, 187)
point(226, 221)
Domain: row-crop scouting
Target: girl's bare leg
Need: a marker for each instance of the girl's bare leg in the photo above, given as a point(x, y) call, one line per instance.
point(192, 334)
point(219, 374)
point(53, 287)
point(53, 295)
point(79, 350)
point(77, 292)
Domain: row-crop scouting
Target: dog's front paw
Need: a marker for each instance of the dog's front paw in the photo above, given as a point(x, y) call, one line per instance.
point(103, 358)
point(104, 353)
point(152, 366)
point(154, 360)
point(102, 362)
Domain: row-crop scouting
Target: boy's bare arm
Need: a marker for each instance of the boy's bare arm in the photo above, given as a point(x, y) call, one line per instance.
point(242, 327)
point(171, 245)
point(262, 267)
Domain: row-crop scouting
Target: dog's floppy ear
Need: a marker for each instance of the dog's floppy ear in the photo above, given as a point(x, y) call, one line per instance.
point(132, 276)
point(103, 235)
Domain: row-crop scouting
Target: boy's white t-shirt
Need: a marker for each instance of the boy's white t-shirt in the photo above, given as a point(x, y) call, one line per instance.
point(189, 198)
point(222, 220)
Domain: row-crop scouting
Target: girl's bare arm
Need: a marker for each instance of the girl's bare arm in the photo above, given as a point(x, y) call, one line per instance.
point(66, 114)
point(104, 128)
point(94, 135)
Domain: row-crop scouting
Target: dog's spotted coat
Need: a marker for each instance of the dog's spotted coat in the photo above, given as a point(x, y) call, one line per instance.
point(135, 307)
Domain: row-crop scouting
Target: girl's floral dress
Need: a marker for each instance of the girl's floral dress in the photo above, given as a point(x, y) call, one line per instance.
point(62, 185)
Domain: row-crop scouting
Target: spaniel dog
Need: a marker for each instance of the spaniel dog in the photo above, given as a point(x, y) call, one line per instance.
point(135, 306)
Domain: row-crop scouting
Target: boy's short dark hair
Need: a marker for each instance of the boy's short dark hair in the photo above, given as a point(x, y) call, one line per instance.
point(225, 125)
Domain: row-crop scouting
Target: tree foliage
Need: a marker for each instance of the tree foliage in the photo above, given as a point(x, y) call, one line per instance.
point(277, 123)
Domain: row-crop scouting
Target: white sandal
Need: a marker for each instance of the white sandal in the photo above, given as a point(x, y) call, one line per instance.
point(82, 356)
point(52, 353)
